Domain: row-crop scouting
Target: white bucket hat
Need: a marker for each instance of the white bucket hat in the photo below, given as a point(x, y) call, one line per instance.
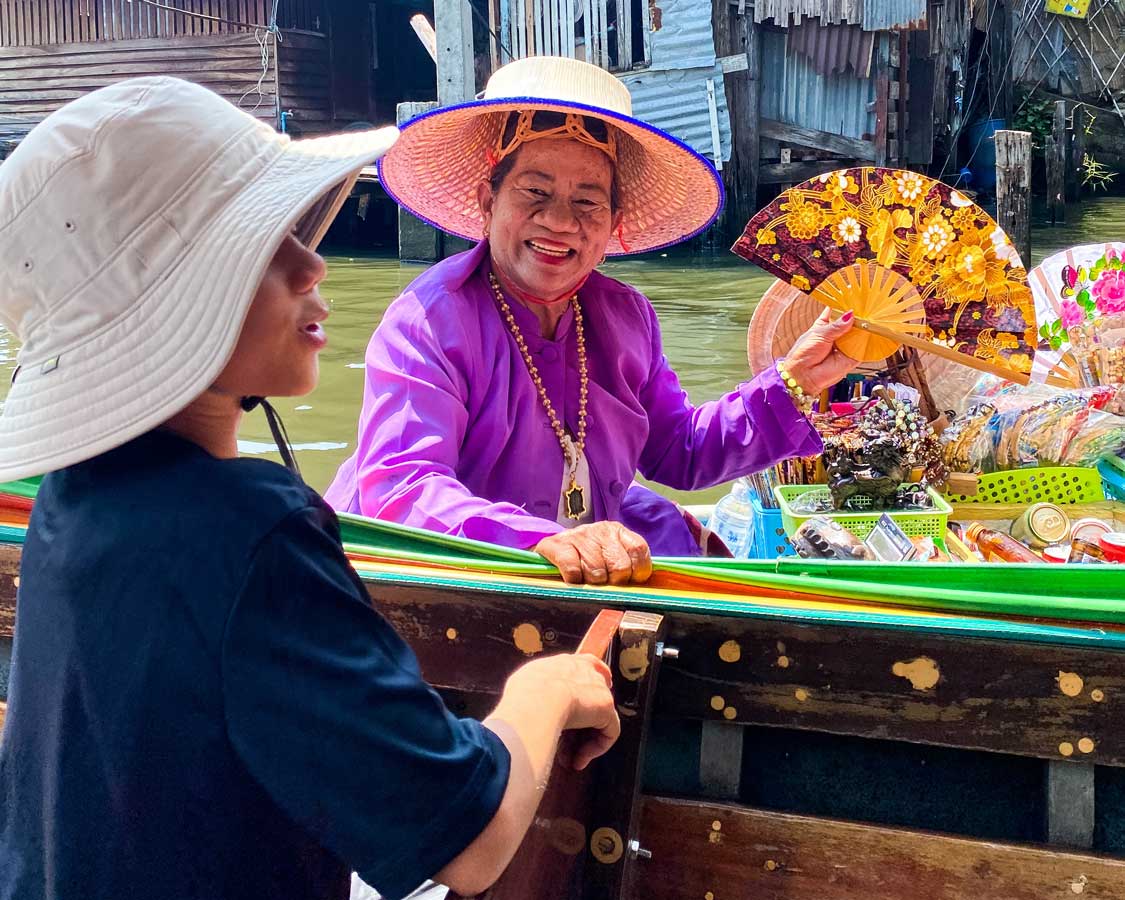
point(136, 224)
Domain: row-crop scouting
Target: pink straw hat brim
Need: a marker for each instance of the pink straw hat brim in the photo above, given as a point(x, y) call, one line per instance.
point(669, 192)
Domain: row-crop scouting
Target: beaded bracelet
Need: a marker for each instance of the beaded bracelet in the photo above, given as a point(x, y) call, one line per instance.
point(797, 394)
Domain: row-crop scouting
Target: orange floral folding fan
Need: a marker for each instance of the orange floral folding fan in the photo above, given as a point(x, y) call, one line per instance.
point(919, 263)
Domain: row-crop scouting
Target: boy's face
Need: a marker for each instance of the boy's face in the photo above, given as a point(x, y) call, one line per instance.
point(277, 351)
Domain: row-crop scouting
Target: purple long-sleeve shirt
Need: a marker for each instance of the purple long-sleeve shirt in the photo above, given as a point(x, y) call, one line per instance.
point(453, 436)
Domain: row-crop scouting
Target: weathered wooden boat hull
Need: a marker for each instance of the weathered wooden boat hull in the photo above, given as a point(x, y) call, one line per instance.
point(799, 736)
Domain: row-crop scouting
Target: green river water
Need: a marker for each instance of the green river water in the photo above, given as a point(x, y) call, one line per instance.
point(704, 306)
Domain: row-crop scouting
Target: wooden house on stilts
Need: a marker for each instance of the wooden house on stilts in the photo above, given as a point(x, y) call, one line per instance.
point(305, 66)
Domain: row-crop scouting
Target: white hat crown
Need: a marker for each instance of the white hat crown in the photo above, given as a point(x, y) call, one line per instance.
point(107, 194)
point(136, 224)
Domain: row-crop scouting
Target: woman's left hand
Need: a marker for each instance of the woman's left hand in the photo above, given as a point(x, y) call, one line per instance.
point(815, 361)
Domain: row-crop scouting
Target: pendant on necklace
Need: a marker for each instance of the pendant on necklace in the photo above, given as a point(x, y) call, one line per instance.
point(575, 501)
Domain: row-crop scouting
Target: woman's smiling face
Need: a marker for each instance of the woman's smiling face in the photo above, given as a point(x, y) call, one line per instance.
point(551, 216)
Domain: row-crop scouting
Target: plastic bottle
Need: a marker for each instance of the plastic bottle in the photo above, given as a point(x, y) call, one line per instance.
point(999, 547)
point(733, 519)
point(1086, 552)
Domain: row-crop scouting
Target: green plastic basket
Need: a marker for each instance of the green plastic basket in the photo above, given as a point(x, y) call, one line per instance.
point(1056, 484)
point(931, 522)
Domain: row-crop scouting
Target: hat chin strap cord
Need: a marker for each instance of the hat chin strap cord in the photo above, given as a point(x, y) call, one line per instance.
point(277, 429)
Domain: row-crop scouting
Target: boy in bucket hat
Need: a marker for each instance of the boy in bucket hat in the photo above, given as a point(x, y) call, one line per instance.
point(203, 703)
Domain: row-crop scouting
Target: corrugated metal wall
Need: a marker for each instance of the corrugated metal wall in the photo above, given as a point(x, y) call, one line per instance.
point(898, 14)
point(790, 12)
point(672, 93)
point(793, 92)
point(833, 48)
point(873, 15)
point(676, 100)
point(681, 34)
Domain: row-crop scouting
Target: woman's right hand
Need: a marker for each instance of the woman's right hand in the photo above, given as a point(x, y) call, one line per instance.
point(598, 553)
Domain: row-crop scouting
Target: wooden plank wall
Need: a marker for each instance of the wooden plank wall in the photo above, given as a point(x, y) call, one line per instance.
point(720, 851)
point(28, 23)
point(35, 81)
point(305, 83)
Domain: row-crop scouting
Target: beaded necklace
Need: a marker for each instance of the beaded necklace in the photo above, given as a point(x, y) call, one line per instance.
point(573, 495)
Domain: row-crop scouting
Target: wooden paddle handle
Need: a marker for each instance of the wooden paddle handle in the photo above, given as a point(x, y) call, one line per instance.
point(949, 353)
point(599, 636)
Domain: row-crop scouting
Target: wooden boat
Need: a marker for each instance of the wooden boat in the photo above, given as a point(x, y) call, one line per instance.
point(797, 729)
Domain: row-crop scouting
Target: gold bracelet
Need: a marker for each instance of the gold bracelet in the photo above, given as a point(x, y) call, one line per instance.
point(797, 394)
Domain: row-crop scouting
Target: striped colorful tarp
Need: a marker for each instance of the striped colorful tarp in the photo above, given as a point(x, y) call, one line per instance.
point(1076, 604)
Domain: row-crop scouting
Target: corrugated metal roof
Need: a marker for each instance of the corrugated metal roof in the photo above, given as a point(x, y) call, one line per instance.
point(794, 92)
point(685, 39)
point(789, 12)
point(893, 15)
point(676, 100)
point(873, 15)
point(833, 48)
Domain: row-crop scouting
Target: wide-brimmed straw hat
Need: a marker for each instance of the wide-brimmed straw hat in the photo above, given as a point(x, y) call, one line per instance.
point(669, 192)
point(136, 224)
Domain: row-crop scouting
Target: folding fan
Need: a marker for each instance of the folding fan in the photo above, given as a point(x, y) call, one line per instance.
point(918, 262)
point(780, 318)
point(1078, 280)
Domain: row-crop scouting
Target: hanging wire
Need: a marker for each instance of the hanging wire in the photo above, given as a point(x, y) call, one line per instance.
point(1024, 26)
point(996, 95)
point(968, 108)
point(198, 15)
point(262, 36)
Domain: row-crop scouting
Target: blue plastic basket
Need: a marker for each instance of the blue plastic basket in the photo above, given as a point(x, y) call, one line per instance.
point(1112, 471)
point(770, 540)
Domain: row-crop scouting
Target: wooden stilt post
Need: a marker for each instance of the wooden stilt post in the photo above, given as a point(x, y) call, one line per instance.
point(417, 241)
point(1078, 120)
point(1013, 189)
point(999, 58)
point(1070, 176)
point(1056, 166)
point(737, 43)
point(1062, 150)
point(456, 77)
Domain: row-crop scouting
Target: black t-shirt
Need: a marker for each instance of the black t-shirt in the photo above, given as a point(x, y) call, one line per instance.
point(204, 705)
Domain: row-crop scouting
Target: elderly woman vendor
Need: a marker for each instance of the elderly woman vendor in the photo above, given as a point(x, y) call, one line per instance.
point(513, 392)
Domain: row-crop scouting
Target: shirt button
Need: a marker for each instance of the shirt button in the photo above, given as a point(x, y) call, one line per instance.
point(616, 487)
point(550, 354)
